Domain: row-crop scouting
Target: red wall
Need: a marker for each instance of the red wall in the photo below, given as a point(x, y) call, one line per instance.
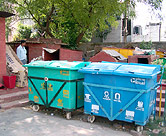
point(70, 55)
point(2, 49)
point(134, 59)
point(102, 56)
point(35, 49)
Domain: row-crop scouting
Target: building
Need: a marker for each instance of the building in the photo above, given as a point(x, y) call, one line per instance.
point(146, 26)
point(34, 46)
point(3, 15)
point(117, 34)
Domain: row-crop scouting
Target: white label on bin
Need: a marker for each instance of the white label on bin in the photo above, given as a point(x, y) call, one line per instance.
point(129, 115)
point(106, 95)
point(117, 97)
point(87, 99)
point(140, 106)
point(95, 108)
point(138, 81)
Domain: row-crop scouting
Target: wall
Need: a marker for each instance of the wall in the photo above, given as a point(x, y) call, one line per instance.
point(90, 49)
point(2, 49)
point(63, 54)
point(115, 35)
point(70, 55)
point(102, 56)
point(35, 49)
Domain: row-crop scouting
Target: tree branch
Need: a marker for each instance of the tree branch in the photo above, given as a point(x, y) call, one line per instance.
point(48, 21)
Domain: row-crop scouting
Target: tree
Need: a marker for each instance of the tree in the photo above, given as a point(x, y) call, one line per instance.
point(71, 20)
point(24, 32)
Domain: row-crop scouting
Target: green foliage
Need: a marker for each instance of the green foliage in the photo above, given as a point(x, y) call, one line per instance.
point(70, 20)
point(73, 21)
point(24, 32)
point(156, 4)
point(144, 45)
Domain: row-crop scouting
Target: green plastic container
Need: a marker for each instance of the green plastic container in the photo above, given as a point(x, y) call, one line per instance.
point(162, 62)
point(56, 84)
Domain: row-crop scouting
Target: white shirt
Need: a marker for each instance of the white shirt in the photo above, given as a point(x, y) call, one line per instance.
point(21, 52)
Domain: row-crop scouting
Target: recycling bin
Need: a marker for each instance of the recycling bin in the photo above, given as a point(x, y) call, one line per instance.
point(117, 91)
point(56, 84)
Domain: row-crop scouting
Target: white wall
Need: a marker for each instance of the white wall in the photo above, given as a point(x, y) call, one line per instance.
point(115, 35)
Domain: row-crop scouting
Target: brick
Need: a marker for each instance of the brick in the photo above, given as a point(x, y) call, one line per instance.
point(70, 55)
point(16, 103)
point(135, 58)
point(102, 56)
point(14, 90)
point(15, 97)
point(35, 49)
point(2, 49)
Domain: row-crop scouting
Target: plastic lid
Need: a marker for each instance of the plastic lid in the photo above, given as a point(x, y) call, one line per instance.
point(58, 64)
point(106, 68)
point(38, 64)
point(125, 69)
point(141, 71)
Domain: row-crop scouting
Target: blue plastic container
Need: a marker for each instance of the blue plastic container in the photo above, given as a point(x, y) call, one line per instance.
point(119, 91)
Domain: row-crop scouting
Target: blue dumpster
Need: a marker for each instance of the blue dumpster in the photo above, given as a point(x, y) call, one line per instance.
point(119, 91)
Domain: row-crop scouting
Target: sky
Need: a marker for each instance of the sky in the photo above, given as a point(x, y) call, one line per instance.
point(144, 15)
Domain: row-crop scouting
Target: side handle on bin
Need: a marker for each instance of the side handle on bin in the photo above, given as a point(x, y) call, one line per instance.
point(157, 86)
point(131, 72)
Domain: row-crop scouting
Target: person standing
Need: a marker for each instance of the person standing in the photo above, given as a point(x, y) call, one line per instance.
point(21, 52)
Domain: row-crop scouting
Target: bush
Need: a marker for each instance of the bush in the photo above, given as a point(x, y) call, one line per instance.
point(24, 31)
point(145, 45)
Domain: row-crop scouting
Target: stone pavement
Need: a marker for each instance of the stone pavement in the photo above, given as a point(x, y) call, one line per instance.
point(24, 121)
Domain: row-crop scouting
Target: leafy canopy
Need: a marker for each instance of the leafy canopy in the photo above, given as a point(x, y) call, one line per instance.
point(73, 20)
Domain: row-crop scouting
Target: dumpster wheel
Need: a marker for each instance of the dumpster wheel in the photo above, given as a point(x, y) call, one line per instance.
point(68, 115)
point(139, 128)
point(36, 108)
point(91, 118)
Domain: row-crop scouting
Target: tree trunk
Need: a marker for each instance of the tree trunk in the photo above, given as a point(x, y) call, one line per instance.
point(79, 37)
point(49, 33)
point(125, 30)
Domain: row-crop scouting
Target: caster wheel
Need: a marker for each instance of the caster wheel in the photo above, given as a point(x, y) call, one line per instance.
point(151, 118)
point(31, 106)
point(35, 108)
point(68, 115)
point(91, 119)
point(140, 128)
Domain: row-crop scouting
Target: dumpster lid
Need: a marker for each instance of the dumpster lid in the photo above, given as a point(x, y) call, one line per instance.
point(106, 68)
point(38, 64)
point(58, 64)
point(143, 71)
point(75, 65)
point(125, 69)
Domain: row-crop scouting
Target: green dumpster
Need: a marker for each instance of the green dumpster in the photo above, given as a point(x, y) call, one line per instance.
point(162, 62)
point(56, 84)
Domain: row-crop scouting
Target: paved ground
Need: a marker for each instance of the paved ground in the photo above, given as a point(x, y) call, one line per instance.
point(25, 122)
